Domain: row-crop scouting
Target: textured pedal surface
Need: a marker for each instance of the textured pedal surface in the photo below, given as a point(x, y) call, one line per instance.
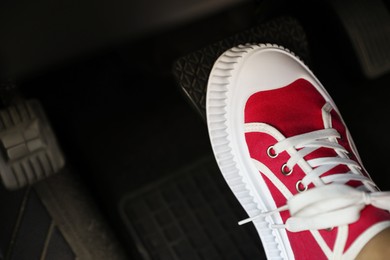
point(29, 148)
point(367, 24)
point(192, 71)
point(190, 215)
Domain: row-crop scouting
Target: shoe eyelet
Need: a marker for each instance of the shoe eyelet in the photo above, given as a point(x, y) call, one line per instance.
point(271, 152)
point(285, 170)
point(329, 229)
point(299, 186)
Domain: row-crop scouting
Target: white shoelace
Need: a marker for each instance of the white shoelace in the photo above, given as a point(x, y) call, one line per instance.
point(324, 206)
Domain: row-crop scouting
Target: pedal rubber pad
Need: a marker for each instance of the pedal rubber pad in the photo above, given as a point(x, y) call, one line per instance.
point(367, 24)
point(192, 71)
point(29, 151)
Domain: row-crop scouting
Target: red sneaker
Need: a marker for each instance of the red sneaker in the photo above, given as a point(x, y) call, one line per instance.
point(288, 156)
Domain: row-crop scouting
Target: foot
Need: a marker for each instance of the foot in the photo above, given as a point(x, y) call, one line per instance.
point(286, 153)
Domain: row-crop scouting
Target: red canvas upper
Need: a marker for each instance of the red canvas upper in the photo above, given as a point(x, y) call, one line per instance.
point(297, 109)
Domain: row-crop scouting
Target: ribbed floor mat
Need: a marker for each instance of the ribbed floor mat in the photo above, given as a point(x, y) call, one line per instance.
point(27, 231)
point(191, 214)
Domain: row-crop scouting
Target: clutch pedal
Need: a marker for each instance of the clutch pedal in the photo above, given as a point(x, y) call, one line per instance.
point(29, 151)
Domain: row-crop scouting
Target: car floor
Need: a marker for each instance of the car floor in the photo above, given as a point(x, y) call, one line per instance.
point(123, 121)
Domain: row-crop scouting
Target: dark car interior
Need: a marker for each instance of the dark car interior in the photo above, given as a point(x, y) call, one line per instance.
point(104, 145)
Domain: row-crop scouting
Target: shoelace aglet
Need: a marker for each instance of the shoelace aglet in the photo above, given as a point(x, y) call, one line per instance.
point(263, 214)
point(273, 226)
point(245, 221)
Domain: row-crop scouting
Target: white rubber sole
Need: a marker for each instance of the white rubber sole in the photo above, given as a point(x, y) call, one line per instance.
point(236, 75)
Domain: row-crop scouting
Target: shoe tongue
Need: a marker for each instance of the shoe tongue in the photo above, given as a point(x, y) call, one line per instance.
point(294, 109)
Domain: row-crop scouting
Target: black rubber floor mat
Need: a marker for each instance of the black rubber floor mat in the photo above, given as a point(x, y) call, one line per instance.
point(26, 229)
point(77, 215)
point(191, 214)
